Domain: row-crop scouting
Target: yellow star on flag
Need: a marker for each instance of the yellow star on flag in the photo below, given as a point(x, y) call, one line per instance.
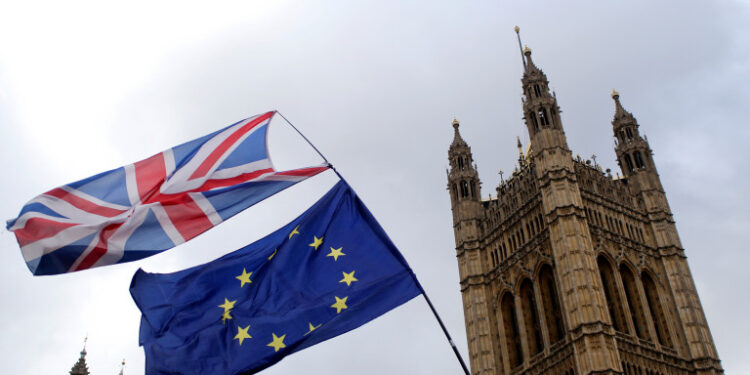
point(336, 253)
point(294, 231)
point(340, 304)
point(317, 242)
point(242, 334)
point(228, 305)
point(312, 328)
point(277, 343)
point(225, 316)
point(348, 278)
point(244, 278)
point(272, 255)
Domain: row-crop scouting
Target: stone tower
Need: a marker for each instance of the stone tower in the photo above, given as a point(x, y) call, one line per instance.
point(569, 270)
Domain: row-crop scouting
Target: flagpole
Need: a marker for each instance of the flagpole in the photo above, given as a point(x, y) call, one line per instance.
point(308, 142)
point(445, 331)
point(429, 303)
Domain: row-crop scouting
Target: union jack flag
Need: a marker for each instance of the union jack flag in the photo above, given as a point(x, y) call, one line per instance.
point(144, 208)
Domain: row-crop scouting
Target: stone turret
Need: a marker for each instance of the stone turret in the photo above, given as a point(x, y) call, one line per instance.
point(80, 368)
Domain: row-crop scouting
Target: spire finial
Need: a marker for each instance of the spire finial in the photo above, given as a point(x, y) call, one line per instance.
point(520, 151)
point(518, 34)
point(122, 367)
point(619, 110)
point(615, 94)
point(455, 123)
point(527, 54)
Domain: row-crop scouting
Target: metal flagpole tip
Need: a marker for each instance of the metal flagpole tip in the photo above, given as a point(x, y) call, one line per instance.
point(517, 29)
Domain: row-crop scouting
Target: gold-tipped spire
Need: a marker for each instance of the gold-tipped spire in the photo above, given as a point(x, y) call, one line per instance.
point(526, 50)
point(518, 35)
point(519, 145)
point(615, 94)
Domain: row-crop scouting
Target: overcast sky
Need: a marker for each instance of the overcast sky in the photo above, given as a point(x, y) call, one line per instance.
point(88, 86)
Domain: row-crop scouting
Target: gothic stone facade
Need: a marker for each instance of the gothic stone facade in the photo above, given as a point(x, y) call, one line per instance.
point(569, 270)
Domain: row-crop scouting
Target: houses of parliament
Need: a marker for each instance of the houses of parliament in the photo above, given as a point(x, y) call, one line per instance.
point(569, 270)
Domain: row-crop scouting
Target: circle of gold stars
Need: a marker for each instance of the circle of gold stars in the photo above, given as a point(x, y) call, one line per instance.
point(277, 342)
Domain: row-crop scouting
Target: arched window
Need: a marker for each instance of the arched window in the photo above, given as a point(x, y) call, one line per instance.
point(552, 115)
point(460, 163)
point(455, 190)
point(510, 328)
point(473, 188)
point(543, 117)
point(629, 162)
point(657, 313)
point(531, 318)
point(638, 159)
point(537, 90)
point(464, 189)
point(551, 305)
point(634, 302)
point(612, 294)
point(629, 132)
point(534, 123)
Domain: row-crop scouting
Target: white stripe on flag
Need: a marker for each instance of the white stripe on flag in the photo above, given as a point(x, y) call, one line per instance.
point(206, 207)
point(166, 224)
point(131, 184)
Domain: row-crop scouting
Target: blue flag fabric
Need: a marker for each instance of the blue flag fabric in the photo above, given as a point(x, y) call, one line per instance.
point(327, 272)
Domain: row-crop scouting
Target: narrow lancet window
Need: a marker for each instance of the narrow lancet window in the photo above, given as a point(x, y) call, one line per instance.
point(638, 159)
point(510, 328)
point(543, 117)
point(611, 293)
point(657, 312)
point(634, 302)
point(629, 162)
point(551, 305)
point(464, 189)
point(531, 318)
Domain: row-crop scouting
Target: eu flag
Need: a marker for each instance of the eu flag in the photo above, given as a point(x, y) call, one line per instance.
point(327, 272)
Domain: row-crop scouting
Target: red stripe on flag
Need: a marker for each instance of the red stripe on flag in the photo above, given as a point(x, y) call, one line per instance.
point(188, 218)
point(150, 174)
point(37, 228)
point(213, 184)
point(224, 146)
point(100, 248)
point(303, 172)
point(84, 204)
